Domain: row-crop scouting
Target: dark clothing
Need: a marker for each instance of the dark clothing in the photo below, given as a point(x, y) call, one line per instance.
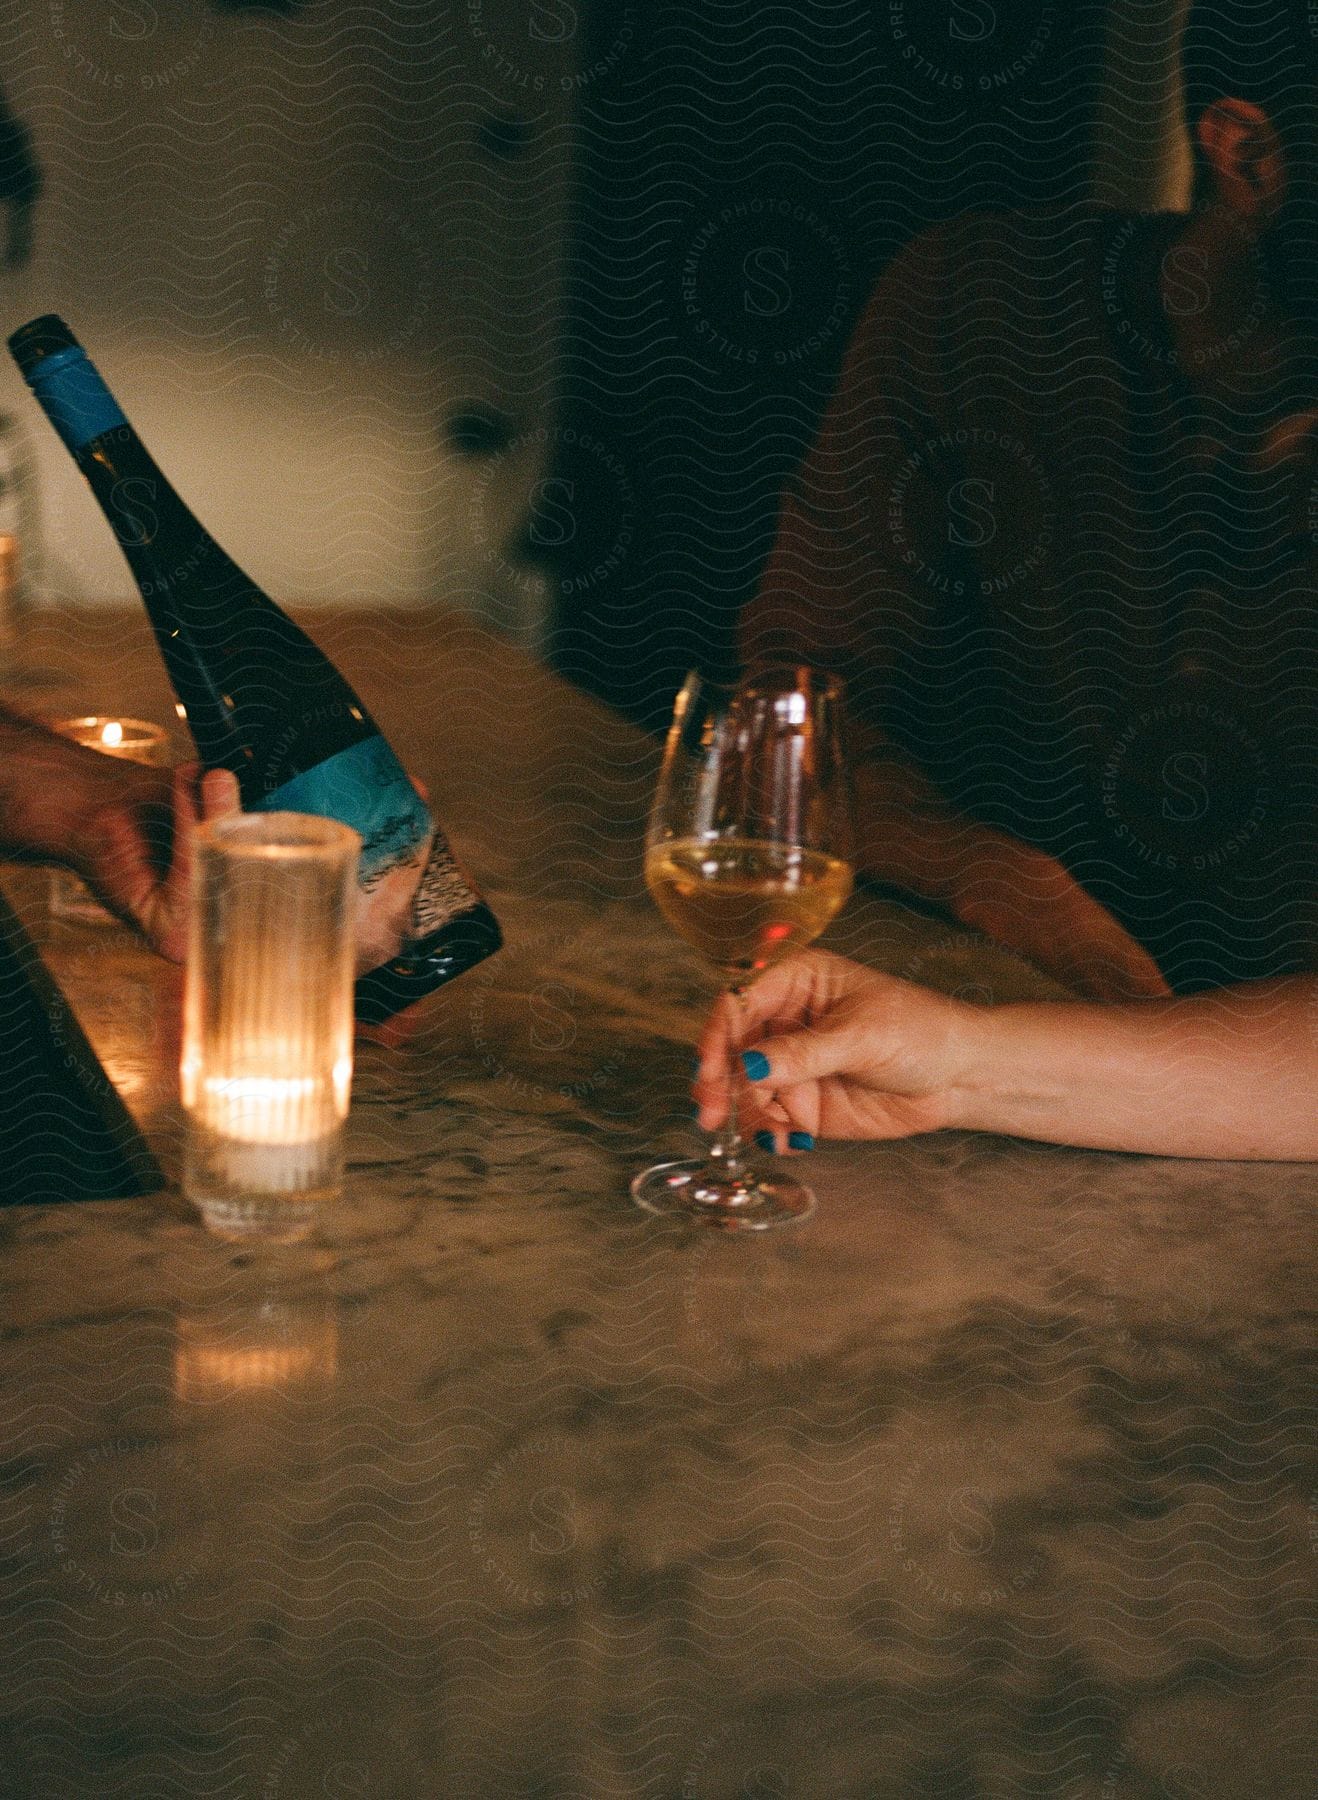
point(1065, 585)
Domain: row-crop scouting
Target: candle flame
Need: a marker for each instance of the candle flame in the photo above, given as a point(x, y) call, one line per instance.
point(112, 734)
point(265, 1109)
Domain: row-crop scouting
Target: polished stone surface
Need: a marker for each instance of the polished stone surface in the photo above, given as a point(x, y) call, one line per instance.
point(997, 1479)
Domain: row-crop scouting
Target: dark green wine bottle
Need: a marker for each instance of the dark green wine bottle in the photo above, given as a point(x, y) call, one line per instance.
point(259, 697)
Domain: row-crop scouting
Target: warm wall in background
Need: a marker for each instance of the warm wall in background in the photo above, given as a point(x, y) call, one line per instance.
point(298, 246)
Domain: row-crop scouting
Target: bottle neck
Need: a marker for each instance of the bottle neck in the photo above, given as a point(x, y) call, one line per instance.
point(74, 398)
point(167, 547)
point(260, 698)
point(153, 526)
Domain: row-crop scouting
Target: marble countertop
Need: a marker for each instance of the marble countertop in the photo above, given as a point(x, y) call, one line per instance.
point(995, 1479)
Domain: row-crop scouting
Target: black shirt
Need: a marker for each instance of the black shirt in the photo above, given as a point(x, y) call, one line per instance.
point(1064, 580)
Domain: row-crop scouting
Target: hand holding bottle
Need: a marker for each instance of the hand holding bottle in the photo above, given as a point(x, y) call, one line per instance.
point(133, 844)
point(125, 827)
point(130, 838)
point(262, 701)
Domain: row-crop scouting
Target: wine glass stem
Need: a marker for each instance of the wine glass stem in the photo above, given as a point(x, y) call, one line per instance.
point(725, 1153)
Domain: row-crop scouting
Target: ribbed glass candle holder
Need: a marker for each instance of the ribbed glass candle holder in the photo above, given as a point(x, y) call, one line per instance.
point(267, 1020)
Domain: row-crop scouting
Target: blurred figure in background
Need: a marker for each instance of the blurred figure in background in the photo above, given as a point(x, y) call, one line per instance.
point(1058, 532)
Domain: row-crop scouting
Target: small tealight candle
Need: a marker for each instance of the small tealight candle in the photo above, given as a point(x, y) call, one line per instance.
point(135, 740)
point(130, 740)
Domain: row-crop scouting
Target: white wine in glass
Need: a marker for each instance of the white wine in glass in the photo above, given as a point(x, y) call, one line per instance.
point(746, 905)
point(748, 857)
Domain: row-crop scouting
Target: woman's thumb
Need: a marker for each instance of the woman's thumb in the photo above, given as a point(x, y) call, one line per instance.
point(805, 1055)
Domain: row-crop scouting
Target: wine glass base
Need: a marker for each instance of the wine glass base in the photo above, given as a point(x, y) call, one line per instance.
point(691, 1190)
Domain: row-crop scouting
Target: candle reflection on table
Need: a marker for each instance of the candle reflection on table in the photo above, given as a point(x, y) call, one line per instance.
point(274, 1351)
point(271, 1328)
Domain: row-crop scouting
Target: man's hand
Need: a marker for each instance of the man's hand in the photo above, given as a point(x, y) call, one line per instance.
point(1027, 901)
point(125, 828)
point(908, 836)
point(131, 840)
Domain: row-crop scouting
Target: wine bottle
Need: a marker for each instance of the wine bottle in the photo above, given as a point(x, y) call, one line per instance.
point(261, 699)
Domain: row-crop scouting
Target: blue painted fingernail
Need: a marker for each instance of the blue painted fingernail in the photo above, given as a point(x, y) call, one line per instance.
point(800, 1140)
point(765, 1140)
point(695, 1065)
point(755, 1065)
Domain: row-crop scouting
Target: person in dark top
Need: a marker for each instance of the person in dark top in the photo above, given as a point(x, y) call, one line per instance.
point(1059, 531)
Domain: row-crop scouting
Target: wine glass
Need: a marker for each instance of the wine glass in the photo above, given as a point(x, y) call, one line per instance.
point(748, 857)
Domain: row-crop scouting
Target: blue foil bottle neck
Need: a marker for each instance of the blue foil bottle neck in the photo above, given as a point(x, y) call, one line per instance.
point(74, 398)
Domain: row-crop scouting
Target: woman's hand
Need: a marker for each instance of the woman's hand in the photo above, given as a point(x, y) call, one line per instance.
point(838, 1051)
point(849, 1053)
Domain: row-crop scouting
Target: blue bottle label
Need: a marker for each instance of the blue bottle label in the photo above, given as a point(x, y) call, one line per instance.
point(366, 787)
point(74, 398)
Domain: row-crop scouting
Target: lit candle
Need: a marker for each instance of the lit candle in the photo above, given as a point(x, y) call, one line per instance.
point(135, 740)
point(278, 1132)
point(266, 1070)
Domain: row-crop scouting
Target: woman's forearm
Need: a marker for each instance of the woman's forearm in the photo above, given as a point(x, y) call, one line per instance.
point(1231, 1074)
